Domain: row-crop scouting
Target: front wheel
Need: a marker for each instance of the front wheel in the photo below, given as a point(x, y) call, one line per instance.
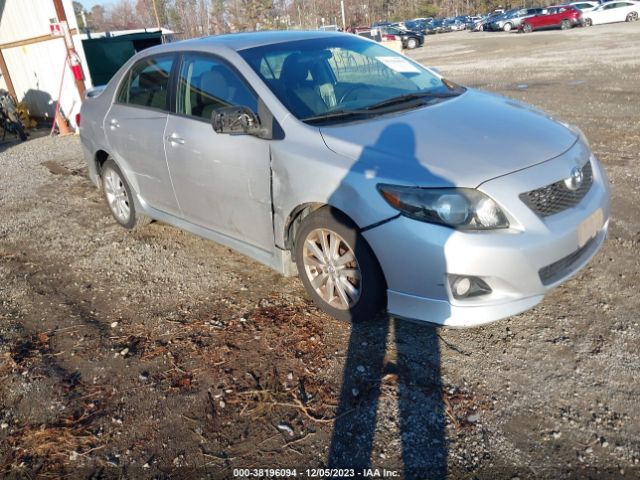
point(632, 17)
point(338, 268)
point(565, 25)
point(119, 198)
point(588, 22)
point(527, 28)
point(412, 43)
point(507, 27)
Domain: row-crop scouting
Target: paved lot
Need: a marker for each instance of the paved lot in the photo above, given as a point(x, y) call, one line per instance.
point(156, 352)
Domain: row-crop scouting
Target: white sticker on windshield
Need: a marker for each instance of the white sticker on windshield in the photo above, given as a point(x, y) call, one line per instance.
point(398, 64)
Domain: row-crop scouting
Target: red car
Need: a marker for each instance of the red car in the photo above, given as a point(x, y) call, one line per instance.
point(562, 16)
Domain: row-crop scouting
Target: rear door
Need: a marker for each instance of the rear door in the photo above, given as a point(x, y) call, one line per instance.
point(222, 182)
point(611, 13)
point(553, 18)
point(134, 128)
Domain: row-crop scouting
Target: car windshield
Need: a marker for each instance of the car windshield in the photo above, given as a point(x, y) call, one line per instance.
point(331, 77)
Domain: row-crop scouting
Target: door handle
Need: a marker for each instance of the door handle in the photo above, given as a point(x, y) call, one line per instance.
point(176, 139)
point(113, 124)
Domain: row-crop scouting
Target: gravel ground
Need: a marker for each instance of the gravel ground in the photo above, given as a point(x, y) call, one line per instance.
point(156, 353)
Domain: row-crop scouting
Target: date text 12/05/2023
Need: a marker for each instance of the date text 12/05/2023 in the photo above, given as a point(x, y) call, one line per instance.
point(314, 473)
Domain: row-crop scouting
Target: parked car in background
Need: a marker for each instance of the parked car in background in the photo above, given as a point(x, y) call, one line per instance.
point(355, 179)
point(410, 39)
point(484, 22)
point(419, 26)
point(439, 25)
point(561, 16)
point(611, 12)
point(455, 24)
point(512, 19)
point(585, 6)
point(400, 25)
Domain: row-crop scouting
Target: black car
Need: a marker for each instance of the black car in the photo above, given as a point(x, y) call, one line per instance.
point(410, 39)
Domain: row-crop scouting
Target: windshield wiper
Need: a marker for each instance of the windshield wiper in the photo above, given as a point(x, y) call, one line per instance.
point(336, 115)
point(408, 97)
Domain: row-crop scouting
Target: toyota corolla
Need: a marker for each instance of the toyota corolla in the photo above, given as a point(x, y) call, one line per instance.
point(383, 185)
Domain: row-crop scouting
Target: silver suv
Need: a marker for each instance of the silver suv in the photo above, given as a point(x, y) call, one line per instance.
point(384, 185)
point(512, 18)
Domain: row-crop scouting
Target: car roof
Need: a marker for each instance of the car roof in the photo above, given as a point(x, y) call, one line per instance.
point(241, 41)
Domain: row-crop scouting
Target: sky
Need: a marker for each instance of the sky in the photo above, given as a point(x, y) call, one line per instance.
point(90, 3)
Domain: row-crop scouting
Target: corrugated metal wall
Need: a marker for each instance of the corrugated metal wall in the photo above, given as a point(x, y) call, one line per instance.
point(23, 19)
point(36, 69)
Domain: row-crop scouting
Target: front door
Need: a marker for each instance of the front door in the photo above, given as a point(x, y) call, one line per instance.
point(135, 126)
point(222, 182)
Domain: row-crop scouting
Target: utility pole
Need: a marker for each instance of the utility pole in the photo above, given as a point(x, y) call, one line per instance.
point(344, 23)
point(68, 43)
point(155, 12)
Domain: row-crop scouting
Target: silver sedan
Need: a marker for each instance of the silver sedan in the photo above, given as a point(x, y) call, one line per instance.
point(382, 184)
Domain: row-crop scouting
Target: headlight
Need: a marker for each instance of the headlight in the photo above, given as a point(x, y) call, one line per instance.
point(460, 208)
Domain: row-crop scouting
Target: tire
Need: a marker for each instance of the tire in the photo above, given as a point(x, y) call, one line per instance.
point(348, 285)
point(527, 28)
point(412, 43)
point(565, 25)
point(507, 27)
point(632, 17)
point(588, 22)
point(119, 199)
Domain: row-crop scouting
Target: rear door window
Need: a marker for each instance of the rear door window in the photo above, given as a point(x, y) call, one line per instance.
point(147, 84)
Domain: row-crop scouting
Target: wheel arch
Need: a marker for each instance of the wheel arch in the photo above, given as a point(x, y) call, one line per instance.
point(99, 158)
point(302, 211)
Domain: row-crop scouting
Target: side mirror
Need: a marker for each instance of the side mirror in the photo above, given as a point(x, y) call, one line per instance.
point(236, 121)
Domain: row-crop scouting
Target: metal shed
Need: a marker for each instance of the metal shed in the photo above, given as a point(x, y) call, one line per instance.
point(33, 55)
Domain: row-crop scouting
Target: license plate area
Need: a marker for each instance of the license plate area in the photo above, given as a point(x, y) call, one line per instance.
point(590, 227)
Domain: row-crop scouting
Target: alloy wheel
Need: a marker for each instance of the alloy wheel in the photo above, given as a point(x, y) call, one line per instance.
point(332, 269)
point(116, 194)
point(632, 17)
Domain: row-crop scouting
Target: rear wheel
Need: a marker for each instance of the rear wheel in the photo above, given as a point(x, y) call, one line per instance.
point(338, 268)
point(507, 27)
point(527, 28)
point(632, 17)
point(565, 25)
point(588, 22)
point(119, 198)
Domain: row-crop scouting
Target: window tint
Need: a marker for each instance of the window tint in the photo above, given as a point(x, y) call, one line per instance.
point(147, 83)
point(206, 84)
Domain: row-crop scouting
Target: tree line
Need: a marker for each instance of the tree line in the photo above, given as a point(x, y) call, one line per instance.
point(194, 18)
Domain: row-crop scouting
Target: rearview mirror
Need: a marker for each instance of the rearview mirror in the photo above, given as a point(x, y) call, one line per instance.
point(236, 121)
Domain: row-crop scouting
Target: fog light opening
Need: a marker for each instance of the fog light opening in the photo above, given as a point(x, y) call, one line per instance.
point(465, 287)
point(461, 286)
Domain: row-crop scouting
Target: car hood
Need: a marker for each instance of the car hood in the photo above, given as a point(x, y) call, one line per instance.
point(462, 141)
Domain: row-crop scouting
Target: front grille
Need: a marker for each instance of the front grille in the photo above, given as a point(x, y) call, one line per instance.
point(563, 267)
point(556, 197)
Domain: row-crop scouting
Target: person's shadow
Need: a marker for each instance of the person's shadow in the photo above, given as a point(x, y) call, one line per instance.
point(373, 372)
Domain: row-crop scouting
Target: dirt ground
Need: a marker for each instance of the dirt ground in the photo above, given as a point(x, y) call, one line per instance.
point(157, 354)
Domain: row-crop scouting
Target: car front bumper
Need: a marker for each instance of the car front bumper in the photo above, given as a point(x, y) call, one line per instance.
point(417, 258)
